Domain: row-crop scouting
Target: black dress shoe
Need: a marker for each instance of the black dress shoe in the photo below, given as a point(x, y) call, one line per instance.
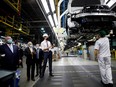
point(41, 76)
point(105, 85)
point(110, 85)
point(36, 75)
point(28, 79)
point(51, 75)
point(33, 79)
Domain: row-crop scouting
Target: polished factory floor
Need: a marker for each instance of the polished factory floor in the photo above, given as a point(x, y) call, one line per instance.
point(71, 72)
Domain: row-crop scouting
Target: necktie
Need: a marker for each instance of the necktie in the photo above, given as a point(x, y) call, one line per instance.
point(47, 43)
point(37, 53)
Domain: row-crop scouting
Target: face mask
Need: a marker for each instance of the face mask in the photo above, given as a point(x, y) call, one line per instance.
point(31, 46)
point(9, 41)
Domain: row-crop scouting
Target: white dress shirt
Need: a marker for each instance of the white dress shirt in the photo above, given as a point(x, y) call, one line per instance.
point(11, 47)
point(31, 49)
point(45, 44)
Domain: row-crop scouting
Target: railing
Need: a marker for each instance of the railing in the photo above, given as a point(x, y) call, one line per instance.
point(11, 22)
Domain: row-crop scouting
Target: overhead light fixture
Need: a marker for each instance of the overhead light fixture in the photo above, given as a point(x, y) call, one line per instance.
point(111, 2)
point(43, 31)
point(55, 19)
point(51, 20)
point(52, 5)
point(44, 2)
point(106, 1)
point(42, 28)
point(20, 29)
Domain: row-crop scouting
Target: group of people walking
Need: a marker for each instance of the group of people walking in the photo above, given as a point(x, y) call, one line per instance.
point(36, 57)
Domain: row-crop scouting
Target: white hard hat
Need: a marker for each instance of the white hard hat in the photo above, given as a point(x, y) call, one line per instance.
point(45, 35)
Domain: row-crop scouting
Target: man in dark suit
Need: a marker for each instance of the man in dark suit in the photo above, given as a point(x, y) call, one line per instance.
point(9, 56)
point(30, 53)
point(39, 58)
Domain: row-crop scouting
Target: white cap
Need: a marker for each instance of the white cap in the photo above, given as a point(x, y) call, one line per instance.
point(45, 35)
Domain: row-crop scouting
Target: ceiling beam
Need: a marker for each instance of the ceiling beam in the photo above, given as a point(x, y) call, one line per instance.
point(40, 21)
point(38, 27)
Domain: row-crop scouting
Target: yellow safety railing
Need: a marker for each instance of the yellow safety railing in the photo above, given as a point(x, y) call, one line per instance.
point(15, 4)
point(11, 22)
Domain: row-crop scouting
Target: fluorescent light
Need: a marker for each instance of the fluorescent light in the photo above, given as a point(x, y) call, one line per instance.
point(44, 2)
point(42, 28)
point(106, 1)
point(43, 31)
point(20, 29)
point(55, 19)
point(110, 3)
point(51, 20)
point(52, 5)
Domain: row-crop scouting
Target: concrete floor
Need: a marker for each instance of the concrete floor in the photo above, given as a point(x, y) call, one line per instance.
point(69, 72)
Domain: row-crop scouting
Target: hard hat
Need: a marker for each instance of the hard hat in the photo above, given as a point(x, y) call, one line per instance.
point(45, 35)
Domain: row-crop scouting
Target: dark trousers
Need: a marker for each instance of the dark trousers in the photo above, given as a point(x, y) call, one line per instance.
point(38, 66)
point(21, 64)
point(47, 55)
point(30, 68)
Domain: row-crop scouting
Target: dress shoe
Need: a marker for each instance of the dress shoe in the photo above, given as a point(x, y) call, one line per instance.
point(36, 75)
point(33, 79)
point(51, 75)
point(105, 85)
point(41, 76)
point(110, 85)
point(28, 79)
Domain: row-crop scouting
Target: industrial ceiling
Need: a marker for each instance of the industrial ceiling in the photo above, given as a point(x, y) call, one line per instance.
point(33, 16)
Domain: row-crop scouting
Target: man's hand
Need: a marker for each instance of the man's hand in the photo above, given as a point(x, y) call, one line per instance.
point(2, 55)
point(46, 49)
point(20, 61)
point(96, 54)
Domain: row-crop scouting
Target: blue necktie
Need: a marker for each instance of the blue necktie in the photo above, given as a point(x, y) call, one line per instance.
point(37, 53)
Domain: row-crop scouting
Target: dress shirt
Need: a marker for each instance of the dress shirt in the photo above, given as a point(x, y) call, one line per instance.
point(45, 44)
point(11, 47)
point(31, 49)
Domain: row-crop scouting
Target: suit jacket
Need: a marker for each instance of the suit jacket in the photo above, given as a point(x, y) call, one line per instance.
point(41, 55)
point(30, 57)
point(11, 59)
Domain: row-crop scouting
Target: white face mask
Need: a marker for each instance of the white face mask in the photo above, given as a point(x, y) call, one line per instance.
point(31, 46)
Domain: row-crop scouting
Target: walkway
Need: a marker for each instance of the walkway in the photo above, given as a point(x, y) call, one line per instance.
point(70, 72)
